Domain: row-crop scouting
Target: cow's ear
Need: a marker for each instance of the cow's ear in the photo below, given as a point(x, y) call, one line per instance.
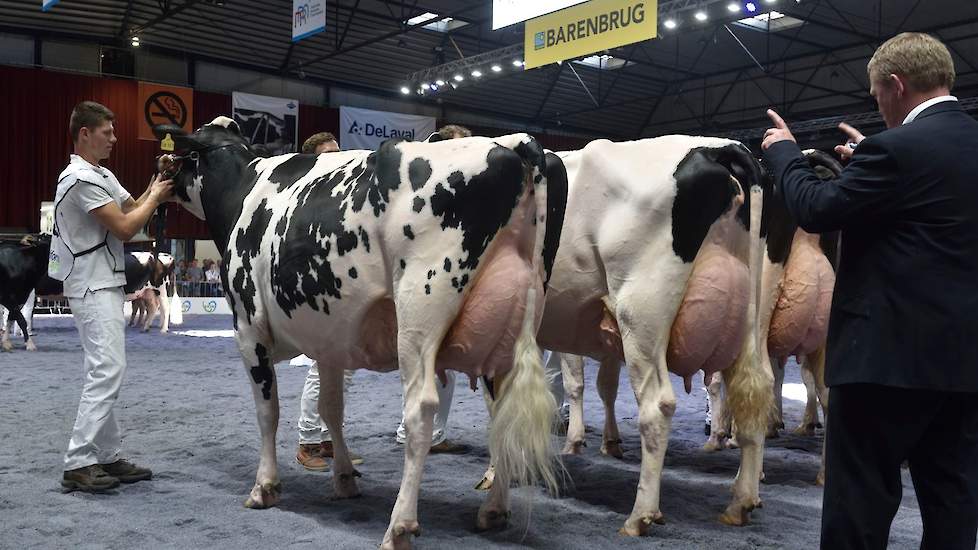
point(181, 140)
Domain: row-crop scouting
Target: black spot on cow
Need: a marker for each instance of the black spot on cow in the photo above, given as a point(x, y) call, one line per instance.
point(448, 265)
point(481, 206)
point(427, 289)
point(419, 171)
point(408, 233)
point(248, 243)
point(431, 274)
point(459, 283)
point(364, 238)
point(403, 263)
point(292, 170)
point(381, 176)
point(263, 373)
point(418, 204)
point(353, 273)
point(556, 207)
point(778, 226)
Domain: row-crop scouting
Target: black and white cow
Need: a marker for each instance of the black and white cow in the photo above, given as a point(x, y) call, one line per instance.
point(149, 287)
point(419, 256)
point(23, 263)
point(658, 265)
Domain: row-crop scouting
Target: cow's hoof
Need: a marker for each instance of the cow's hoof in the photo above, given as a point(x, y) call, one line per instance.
point(489, 520)
point(164, 331)
point(399, 537)
point(820, 479)
point(31, 346)
point(738, 515)
point(264, 495)
point(574, 447)
point(731, 443)
point(807, 429)
point(345, 485)
point(640, 527)
point(715, 443)
point(7, 346)
point(487, 480)
point(612, 448)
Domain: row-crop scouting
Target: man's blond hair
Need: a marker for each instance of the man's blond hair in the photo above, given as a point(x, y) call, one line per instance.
point(454, 131)
point(920, 59)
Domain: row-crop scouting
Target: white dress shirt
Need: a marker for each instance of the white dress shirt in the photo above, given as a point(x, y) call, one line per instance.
point(920, 108)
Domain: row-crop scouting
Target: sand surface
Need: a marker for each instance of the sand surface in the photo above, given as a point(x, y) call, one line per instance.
point(187, 412)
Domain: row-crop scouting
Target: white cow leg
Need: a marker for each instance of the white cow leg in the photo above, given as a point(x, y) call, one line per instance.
point(810, 420)
point(494, 512)
point(264, 388)
point(776, 421)
point(817, 362)
point(331, 410)
point(719, 420)
point(572, 367)
point(608, 375)
point(420, 405)
point(5, 342)
point(656, 406)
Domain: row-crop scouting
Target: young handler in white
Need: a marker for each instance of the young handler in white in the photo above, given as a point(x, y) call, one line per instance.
point(93, 216)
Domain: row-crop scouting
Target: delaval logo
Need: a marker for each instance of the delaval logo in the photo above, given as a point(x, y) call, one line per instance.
point(371, 129)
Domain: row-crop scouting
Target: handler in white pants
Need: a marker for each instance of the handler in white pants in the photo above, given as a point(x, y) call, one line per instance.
point(439, 435)
point(315, 443)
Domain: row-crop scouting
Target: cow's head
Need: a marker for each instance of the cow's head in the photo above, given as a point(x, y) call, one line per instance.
point(216, 151)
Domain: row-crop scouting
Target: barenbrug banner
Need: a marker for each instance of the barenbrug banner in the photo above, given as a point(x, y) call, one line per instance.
point(367, 129)
point(269, 122)
point(308, 18)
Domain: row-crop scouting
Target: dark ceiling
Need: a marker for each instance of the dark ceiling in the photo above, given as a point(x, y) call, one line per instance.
point(699, 78)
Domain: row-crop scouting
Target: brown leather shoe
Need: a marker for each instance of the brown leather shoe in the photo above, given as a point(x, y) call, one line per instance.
point(88, 479)
point(327, 451)
point(127, 472)
point(311, 458)
point(447, 447)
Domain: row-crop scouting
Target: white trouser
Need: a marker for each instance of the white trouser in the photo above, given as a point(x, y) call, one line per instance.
point(555, 378)
point(445, 394)
point(96, 438)
point(312, 429)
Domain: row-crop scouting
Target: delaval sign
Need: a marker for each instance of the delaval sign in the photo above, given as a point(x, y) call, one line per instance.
point(587, 28)
point(367, 129)
point(48, 4)
point(308, 18)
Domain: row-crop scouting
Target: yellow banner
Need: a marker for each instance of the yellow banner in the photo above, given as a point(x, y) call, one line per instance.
point(587, 28)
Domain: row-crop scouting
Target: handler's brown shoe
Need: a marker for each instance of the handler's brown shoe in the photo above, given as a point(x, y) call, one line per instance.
point(447, 447)
point(327, 451)
point(127, 472)
point(88, 479)
point(311, 458)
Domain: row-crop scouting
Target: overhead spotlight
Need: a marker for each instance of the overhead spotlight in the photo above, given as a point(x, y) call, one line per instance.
point(440, 82)
point(458, 78)
point(135, 42)
point(750, 7)
point(701, 16)
point(405, 90)
point(496, 68)
point(770, 1)
point(669, 23)
point(733, 7)
point(476, 73)
point(517, 62)
point(425, 86)
point(434, 87)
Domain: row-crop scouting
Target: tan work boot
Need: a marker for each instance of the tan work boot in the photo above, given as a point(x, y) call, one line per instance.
point(311, 458)
point(88, 479)
point(126, 471)
point(327, 451)
point(448, 447)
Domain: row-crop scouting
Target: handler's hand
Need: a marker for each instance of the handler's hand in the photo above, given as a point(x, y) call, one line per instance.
point(780, 132)
point(854, 136)
point(161, 190)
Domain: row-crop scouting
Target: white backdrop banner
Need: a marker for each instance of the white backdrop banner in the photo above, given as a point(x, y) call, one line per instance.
point(308, 18)
point(367, 129)
point(272, 122)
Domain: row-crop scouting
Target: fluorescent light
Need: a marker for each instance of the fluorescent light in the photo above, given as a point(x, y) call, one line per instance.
point(476, 73)
point(458, 78)
point(669, 23)
point(733, 7)
point(496, 68)
point(426, 16)
point(405, 90)
point(701, 16)
point(440, 82)
point(426, 86)
point(517, 62)
point(751, 7)
point(135, 42)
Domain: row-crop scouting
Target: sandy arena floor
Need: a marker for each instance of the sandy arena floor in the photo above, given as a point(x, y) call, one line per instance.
point(187, 412)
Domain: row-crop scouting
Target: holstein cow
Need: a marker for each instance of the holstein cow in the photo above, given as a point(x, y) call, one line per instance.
point(419, 256)
point(796, 296)
point(22, 265)
point(156, 276)
point(657, 265)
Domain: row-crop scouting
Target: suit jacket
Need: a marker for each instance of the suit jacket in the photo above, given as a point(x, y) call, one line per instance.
point(905, 307)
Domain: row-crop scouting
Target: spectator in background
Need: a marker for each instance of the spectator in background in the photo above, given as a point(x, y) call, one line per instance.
point(454, 131)
point(213, 278)
point(194, 273)
point(180, 271)
point(323, 142)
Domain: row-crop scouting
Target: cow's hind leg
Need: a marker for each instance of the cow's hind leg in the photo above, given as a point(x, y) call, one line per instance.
point(810, 420)
point(18, 317)
point(151, 305)
point(264, 389)
point(331, 410)
point(776, 422)
point(417, 365)
point(8, 328)
point(608, 375)
point(572, 368)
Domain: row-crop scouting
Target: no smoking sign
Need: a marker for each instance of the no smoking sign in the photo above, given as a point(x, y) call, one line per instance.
point(164, 105)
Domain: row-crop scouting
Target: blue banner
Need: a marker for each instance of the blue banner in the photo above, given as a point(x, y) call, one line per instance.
point(48, 4)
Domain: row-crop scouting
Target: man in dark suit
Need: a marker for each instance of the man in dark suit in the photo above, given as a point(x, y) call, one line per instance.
point(903, 333)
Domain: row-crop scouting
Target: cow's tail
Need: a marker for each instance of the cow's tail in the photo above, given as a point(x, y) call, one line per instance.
point(524, 413)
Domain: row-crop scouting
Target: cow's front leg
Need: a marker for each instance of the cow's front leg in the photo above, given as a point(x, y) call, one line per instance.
point(331, 410)
point(420, 404)
point(816, 362)
point(608, 375)
point(810, 420)
point(151, 305)
point(719, 418)
point(572, 367)
point(776, 422)
point(264, 389)
point(5, 342)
